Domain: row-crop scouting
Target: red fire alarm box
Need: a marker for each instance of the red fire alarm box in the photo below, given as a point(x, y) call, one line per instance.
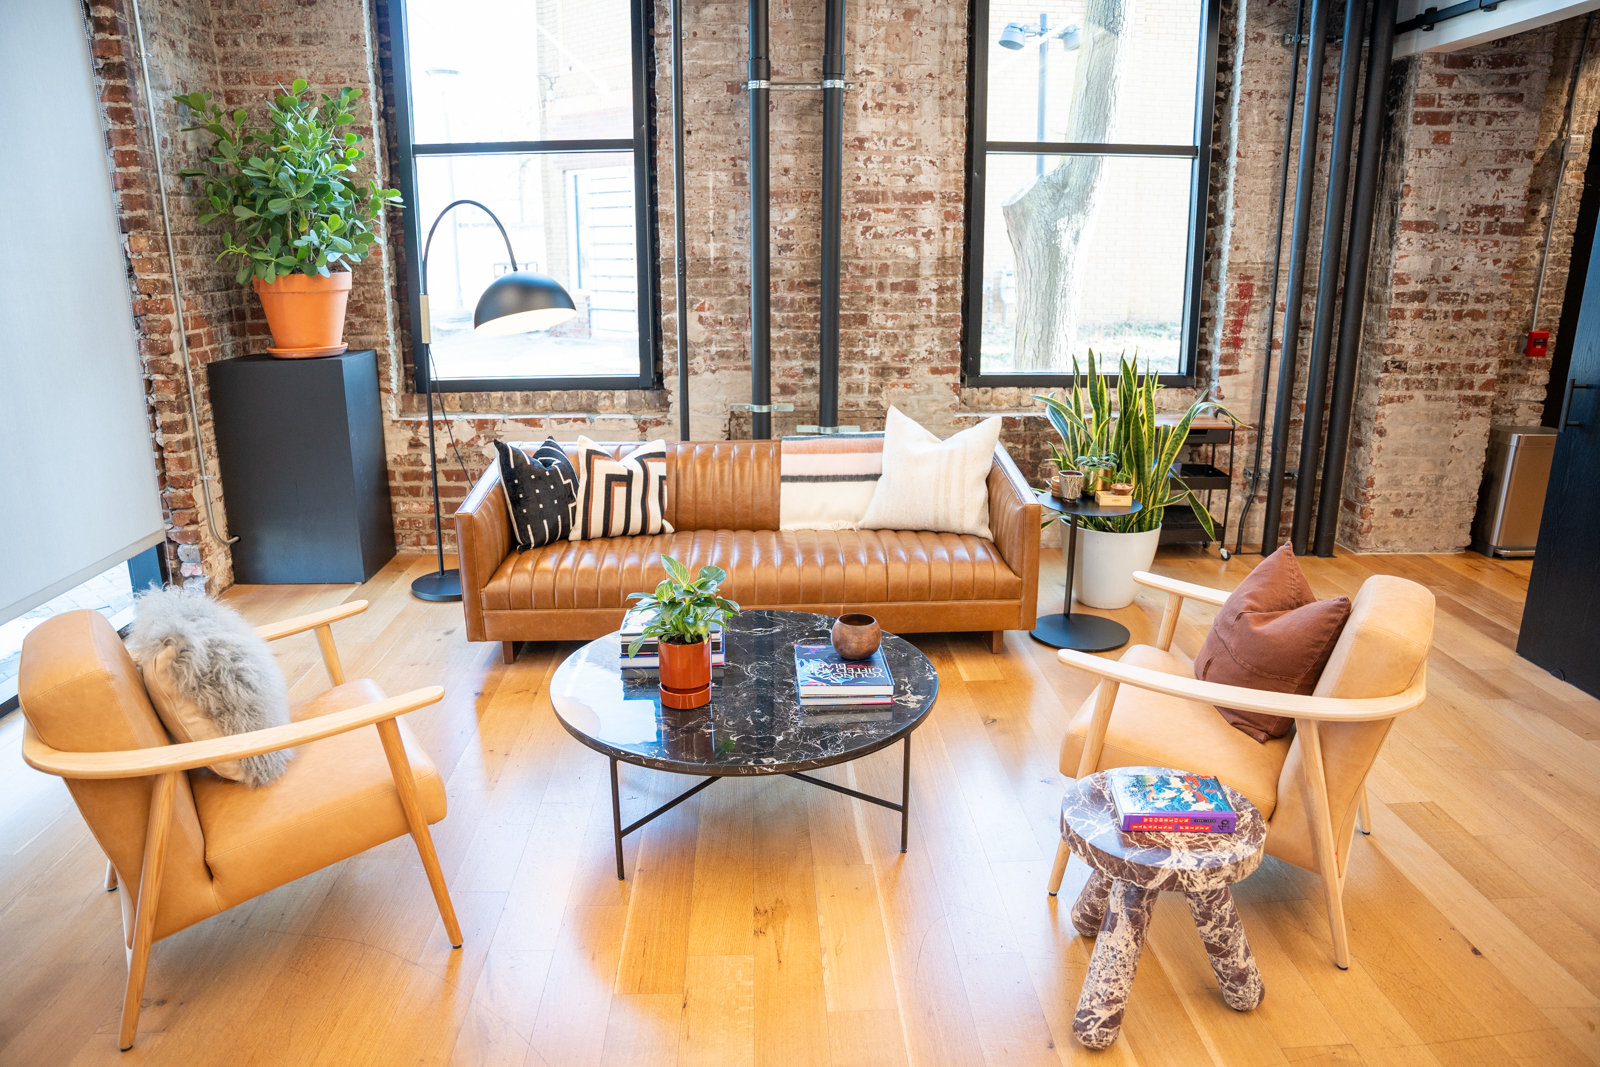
point(1538, 344)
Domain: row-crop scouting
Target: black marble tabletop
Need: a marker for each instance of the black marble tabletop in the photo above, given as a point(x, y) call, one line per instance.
point(754, 724)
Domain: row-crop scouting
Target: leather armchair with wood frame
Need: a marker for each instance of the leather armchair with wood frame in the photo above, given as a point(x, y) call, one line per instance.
point(1150, 710)
point(722, 502)
point(184, 844)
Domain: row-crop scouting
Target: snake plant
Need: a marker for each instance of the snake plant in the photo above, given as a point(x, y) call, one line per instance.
point(1145, 451)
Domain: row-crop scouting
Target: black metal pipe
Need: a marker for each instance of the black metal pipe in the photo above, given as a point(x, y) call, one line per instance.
point(1369, 165)
point(1272, 296)
point(1328, 270)
point(832, 209)
point(680, 253)
point(760, 228)
point(1305, 174)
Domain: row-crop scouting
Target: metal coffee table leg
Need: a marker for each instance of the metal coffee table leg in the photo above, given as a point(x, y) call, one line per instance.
point(1116, 960)
point(1217, 919)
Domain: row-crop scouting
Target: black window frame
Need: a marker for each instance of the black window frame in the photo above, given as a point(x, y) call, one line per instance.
point(645, 249)
point(979, 147)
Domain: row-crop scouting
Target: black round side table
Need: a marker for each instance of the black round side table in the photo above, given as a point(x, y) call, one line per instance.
point(1080, 632)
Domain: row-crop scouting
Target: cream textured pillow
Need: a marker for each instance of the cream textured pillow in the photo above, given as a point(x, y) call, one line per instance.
point(929, 484)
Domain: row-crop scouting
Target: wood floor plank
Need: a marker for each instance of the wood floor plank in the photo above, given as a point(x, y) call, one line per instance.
point(866, 1039)
point(856, 974)
point(718, 1012)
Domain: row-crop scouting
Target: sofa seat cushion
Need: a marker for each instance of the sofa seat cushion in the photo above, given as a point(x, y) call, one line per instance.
point(1157, 730)
point(336, 799)
point(765, 567)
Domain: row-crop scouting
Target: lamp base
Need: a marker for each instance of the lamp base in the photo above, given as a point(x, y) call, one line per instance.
point(439, 586)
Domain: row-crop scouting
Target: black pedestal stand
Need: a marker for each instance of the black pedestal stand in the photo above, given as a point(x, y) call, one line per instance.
point(1080, 632)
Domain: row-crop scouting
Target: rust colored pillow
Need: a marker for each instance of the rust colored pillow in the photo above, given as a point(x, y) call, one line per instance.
point(1273, 634)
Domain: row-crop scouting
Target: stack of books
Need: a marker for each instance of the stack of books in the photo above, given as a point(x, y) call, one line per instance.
point(1171, 803)
point(649, 656)
point(825, 680)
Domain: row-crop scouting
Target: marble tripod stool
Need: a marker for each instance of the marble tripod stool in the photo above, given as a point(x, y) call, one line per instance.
point(1128, 871)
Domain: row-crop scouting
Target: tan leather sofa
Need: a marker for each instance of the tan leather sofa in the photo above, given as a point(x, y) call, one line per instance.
point(722, 501)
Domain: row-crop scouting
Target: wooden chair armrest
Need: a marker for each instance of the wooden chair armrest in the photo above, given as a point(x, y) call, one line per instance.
point(1188, 590)
point(138, 763)
point(301, 623)
point(1327, 709)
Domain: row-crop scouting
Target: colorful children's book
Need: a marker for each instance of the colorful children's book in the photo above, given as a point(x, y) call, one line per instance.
point(1185, 803)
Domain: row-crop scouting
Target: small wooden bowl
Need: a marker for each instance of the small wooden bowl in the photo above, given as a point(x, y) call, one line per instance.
point(856, 636)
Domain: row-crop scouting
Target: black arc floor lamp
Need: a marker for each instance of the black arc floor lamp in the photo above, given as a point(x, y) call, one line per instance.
point(519, 302)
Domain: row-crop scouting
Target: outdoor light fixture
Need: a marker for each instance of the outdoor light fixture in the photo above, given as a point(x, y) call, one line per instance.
point(518, 302)
point(1016, 36)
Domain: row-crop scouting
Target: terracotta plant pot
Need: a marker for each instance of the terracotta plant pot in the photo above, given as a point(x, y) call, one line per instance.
point(685, 674)
point(305, 313)
point(856, 636)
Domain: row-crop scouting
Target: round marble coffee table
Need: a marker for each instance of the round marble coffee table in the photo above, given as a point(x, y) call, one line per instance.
point(754, 724)
point(1129, 870)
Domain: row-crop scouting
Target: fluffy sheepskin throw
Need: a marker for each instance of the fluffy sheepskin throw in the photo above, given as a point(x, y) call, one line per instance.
point(209, 675)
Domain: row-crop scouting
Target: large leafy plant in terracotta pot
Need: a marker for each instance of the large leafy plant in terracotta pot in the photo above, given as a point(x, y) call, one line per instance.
point(294, 213)
point(684, 609)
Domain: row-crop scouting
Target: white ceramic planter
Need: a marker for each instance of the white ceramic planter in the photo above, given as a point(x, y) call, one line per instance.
point(1103, 569)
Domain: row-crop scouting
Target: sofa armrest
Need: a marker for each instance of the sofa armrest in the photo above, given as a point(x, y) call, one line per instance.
point(1014, 515)
point(483, 539)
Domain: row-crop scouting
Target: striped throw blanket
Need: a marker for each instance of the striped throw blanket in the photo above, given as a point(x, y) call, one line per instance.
point(826, 482)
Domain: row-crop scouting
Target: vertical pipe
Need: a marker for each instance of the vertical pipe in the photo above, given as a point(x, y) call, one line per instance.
point(832, 210)
point(1344, 122)
point(680, 254)
point(1272, 295)
point(1369, 161)
point(760, 228)
point(1305, 173)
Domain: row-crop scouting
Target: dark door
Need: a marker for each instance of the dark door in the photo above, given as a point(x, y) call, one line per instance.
point(1561, 620)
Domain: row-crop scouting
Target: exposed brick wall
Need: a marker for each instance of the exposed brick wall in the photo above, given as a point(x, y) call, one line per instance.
point(1438, 364)
point(1466, 187)
point(1467, 140)
point(182, 59)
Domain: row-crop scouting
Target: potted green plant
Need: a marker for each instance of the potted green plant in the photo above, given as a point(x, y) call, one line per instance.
point(296, 216)
point(1142, 453)
point(684, 611)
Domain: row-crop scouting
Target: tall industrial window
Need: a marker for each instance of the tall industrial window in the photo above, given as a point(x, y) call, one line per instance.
point(536, 109)
point(1091, 130)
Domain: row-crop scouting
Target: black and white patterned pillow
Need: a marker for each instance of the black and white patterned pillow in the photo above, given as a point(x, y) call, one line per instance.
point(541, 493)
point(621, 497)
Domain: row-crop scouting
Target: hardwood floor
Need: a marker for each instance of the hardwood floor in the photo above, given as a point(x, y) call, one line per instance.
point(768, 922)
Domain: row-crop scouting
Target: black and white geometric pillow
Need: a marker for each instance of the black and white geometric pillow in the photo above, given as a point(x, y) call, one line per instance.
point(621, 497)
point(541, 493)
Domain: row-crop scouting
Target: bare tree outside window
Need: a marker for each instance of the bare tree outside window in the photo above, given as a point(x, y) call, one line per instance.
point(1047, 221)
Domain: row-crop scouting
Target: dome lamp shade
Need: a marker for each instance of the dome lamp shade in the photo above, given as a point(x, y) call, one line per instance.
point(521, 302)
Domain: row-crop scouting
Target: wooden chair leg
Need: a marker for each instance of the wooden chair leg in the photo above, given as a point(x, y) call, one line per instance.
point(1322, 833)
point(508, 651)
point(111, 877)
point(144, 921)
point(1363, 816)
point(1095, 741)
point(1059, 871)
point(400, 767)
point(997, 641)
point(330, 655)
point(1169, 621)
